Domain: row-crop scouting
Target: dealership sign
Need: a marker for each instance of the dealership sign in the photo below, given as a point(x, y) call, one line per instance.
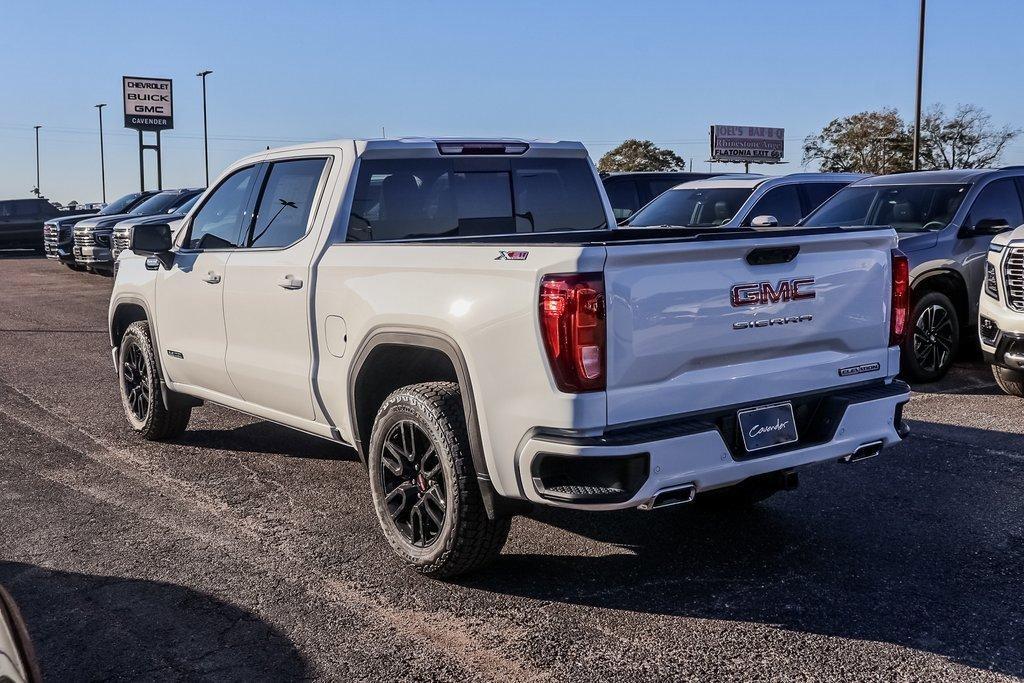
point(747, 144)
point(148, 104)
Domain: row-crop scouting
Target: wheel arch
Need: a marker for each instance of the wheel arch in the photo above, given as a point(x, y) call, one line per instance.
point(392, 357)
point(949, 282)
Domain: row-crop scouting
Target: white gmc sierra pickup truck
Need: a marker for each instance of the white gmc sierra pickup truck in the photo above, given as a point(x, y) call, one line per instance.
point(463, 315)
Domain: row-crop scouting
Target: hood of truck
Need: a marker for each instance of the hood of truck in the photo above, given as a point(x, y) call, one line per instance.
point(103, 221)
point(679, 342)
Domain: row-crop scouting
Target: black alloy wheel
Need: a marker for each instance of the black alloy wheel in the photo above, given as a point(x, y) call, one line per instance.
point(934, 339)
point(414, 484)
point(138, 383)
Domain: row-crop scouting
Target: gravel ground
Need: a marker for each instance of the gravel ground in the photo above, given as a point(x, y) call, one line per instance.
point(246, 551)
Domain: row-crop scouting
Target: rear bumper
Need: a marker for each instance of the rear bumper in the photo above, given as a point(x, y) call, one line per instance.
point(630, 467)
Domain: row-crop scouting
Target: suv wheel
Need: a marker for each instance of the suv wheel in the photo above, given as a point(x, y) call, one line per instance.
point(1010, 381)
point(933, 339)
point(423, 484)
point(139, 380)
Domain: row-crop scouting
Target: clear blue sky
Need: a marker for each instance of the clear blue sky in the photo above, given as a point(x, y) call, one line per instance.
point(593, 71)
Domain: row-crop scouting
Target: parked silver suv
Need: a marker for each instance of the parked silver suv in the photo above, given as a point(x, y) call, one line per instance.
point(945, 221)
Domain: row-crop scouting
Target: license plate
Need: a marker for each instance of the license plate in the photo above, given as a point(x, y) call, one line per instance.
point(767, 426)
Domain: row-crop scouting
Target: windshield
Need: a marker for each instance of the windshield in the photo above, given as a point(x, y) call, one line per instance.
point(458, 197)
point(158, 203)
point(184, 207)
point(698, 208)
point(119, 205)
point(907, 208)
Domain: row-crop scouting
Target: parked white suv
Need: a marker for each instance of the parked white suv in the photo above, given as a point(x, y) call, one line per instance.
point(461, 313)
point(1001, 311)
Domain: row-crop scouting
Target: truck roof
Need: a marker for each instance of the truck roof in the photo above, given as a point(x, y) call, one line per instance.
point(423, 146)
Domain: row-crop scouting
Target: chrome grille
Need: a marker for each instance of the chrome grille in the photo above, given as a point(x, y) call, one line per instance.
point(120, 242)
point(1013, 278)
point(83, 238)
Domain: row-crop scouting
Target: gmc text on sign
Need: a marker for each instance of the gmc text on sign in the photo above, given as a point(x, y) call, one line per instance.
point(148, 103)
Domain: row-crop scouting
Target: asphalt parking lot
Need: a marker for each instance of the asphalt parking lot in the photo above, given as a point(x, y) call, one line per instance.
point(246, 551)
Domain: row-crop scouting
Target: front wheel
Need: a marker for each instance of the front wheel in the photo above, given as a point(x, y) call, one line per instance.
point(1010, 381)
point(139, 380)
point(423, 484)
point(933, 338)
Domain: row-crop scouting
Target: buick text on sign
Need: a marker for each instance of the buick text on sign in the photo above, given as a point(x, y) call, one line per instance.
point(148, 103)
point(747, 143)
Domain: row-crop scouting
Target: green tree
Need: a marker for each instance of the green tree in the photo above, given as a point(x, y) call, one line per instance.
point(640, 155)
point(868, 142)
point(967, 139)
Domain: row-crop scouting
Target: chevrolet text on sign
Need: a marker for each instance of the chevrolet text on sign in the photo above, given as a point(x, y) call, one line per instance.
point(148, 104)
point(747, 143)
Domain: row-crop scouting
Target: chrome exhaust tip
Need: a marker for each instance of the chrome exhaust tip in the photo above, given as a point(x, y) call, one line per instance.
point(675, 495)
point(863, 452)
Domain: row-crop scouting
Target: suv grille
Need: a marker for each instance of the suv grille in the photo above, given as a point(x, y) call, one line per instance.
point(1013, 275)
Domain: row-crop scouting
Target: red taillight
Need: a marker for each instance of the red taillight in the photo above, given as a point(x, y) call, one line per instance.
point(572, 324)
point(900, 298)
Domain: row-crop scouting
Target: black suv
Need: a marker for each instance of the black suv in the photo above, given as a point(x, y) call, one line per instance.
point(21, 222)
point(629, 190)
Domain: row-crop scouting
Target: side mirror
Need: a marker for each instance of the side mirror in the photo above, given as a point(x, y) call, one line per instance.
point(990, 226)
point(154, 239)
point(764, 222)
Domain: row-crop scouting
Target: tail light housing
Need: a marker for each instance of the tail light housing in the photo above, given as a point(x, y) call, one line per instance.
point(572, 321)
point(900, 298)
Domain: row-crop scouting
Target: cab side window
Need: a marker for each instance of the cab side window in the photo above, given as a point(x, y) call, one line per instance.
point(998, 200)
point(217, 223)
point(781, 202)
point(286, 200)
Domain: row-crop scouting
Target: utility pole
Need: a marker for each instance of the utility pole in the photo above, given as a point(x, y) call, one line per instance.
point(36, 191)
point(103, 165)
point(206, 148)
point(920, 75)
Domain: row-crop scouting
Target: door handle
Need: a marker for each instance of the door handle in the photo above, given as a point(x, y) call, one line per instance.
point(290, 282)
point(212, 278)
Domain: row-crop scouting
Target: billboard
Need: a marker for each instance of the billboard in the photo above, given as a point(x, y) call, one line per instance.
point(148, 104)
point(752, 144)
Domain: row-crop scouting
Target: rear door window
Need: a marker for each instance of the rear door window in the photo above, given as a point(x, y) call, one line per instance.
point(817, 193)
point(458, 197)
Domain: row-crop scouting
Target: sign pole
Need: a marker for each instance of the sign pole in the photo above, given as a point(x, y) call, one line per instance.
point(159, 165)
point(142, 165)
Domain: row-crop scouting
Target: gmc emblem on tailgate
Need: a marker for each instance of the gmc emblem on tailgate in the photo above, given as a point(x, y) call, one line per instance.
point(753, 293)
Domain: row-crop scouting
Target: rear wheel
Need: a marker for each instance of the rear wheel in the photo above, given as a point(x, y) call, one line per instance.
point(1010, 381)
point(933, 338)
point(139, 380)
point(424, 486)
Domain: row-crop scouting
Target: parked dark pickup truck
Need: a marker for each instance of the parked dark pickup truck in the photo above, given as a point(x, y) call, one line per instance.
point(21, 222)
point(58, 233)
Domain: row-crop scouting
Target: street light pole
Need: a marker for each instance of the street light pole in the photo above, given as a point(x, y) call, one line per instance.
point(103, 165)
point(37, 192)
point(920, 75)
point(206, 148)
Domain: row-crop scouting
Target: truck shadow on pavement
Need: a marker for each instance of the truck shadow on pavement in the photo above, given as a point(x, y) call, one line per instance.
point(269, 439)
point(94, 627)
point(920, 547)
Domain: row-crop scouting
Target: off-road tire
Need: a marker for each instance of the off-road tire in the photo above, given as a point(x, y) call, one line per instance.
point(912, 367)
point(1010, 381)
point(467, 539)
point(158, 422)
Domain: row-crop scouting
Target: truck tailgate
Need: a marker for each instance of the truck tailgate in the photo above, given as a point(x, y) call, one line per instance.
point(678, 342)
